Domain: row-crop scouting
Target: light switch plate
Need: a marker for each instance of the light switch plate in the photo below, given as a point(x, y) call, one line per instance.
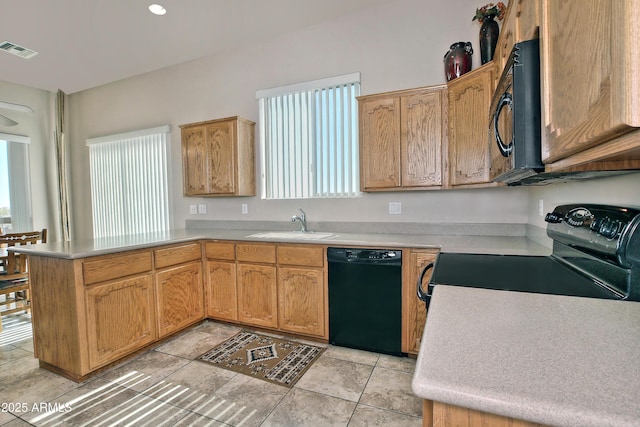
point(193, 209)
point(395, 208)
point(202, 209)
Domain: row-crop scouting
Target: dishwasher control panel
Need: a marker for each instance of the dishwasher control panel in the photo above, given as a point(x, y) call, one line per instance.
point(364, 255)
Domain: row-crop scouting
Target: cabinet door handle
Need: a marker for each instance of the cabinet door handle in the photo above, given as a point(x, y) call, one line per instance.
point(421, 293)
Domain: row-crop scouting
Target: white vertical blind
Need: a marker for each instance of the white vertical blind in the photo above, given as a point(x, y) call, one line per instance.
point(130, 183)
point(309, 139)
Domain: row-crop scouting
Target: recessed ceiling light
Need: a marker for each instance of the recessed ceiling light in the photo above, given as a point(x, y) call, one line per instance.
point(157, 9)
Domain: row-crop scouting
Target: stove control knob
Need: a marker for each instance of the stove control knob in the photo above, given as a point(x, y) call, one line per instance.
point(553, 217)
point(609, 228)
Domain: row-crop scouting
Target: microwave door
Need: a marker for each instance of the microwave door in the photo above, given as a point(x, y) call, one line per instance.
point(503, 124)
point(501, 128)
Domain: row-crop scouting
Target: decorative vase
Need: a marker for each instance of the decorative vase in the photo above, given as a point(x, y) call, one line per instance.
point(457, 60)
point(489, 32)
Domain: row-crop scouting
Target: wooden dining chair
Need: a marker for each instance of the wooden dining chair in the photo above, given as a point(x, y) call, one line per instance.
point(14, 276)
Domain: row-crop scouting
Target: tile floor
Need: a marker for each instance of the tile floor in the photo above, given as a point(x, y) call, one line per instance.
point(166, 386)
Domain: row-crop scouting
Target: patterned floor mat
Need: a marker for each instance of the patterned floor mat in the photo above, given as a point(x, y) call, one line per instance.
point(279, 361)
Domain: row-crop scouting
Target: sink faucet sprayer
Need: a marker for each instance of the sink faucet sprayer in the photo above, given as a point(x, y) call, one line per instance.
point(303, 220)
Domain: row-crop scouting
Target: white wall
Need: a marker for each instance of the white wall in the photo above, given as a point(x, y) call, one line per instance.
point(38, 126)
point(395, 46)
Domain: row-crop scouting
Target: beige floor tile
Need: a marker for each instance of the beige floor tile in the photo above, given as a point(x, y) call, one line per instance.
point(191, 385)
point(5, 416)
point(367, 416)
point(23, 381)
point(165, 386)
point(17, 422)
point(196, 420)
point(391, 389)
point(192, 344)
point(351, 355)
point(91, 403)
point(10, 354)
point(243, 401)
point(337, 378)
point(404, 364)
point(148, 370)
point(306, 408)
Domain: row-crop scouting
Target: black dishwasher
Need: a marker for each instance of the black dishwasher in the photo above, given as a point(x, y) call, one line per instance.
point(365, 299)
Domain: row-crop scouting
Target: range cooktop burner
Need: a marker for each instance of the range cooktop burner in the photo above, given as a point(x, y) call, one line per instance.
point(596, 253)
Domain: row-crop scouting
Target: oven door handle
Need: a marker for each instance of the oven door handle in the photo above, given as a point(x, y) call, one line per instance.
point(421, 293)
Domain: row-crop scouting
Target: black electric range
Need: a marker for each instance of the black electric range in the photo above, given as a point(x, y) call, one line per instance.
point(596, 254)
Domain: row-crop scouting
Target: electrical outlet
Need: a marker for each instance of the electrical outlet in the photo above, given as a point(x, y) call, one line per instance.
point(245, 208)
point(202, 209)
point(541, 207)
point(395, 208)
point(193, 209)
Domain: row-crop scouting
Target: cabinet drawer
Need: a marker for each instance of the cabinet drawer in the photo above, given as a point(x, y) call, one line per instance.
point(256, 253)
point(220, 250)
point(110, 267)
point(177, 254)
point(312, 256)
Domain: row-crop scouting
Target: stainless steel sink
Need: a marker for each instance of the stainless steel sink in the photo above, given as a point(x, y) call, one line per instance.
point(291, 235)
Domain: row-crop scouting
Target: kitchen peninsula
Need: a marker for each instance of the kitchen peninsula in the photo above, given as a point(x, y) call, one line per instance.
point(95, 302)
point(548, 359)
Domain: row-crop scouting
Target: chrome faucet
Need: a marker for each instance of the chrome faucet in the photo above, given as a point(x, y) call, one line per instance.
point(303, 220)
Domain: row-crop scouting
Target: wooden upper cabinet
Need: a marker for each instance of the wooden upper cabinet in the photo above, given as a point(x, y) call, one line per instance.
point(469, 102)
point(402, 135)
point(521, 22)
point(379, 143)
point(421, 138)
point(590, 80)
point(218, 158)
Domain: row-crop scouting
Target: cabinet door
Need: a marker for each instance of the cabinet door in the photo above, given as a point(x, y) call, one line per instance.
point(414, 310)
point(421, 139)
point(222, 298)
point(507, 38)
point(221, 157)
point(180, 297)
point(590, 79)
point(120, 318)
point(379, 143)
point(257, 295)
point(301, 300)
point(194, 160)
point(469, 101)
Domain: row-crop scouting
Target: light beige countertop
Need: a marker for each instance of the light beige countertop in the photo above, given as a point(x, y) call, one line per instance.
point(555, 360)
point(515, 245)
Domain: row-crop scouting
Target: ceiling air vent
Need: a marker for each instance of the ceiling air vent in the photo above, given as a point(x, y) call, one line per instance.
point(18, 50)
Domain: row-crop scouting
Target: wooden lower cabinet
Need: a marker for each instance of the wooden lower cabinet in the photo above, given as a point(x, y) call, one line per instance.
point(257, 295)
point(438, 414)
point(414, 312)
point(91, 312)
point(301, 300)
point(222, 295)
point(180, 300)
point(120, 318)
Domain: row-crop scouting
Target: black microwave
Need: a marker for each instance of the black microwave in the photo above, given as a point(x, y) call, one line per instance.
point(514, 118)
